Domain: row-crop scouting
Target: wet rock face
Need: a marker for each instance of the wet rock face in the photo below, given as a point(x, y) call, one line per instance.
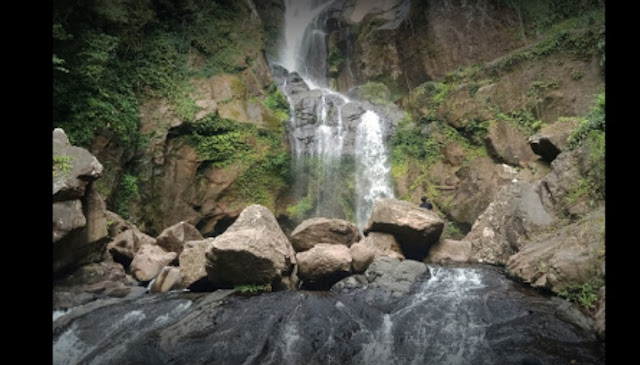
point(473, 315)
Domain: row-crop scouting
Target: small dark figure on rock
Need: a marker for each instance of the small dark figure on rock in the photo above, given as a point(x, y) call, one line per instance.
point(426, 204)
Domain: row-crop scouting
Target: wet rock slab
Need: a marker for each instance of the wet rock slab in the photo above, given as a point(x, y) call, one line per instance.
point(460, 315)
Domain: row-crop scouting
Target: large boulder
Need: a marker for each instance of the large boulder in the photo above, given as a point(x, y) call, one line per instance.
point(324, 264)
point(149, 261)
point(362, 255)
point(383, 244)
point(67, 216)
point(86, 243)
point(506, 143)
point(507, 222)
point(395, 276)
point(193, 262)
point(168, 279)
point(73, 168)
point(415, 228)
point(323, 230)
point(566, 176)
point(126, 243)
point(569, 256)
point(551, 140)
point(173, 238)
point(447, 251)
point(253, 250)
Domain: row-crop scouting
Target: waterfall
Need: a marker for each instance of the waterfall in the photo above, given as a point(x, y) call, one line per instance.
point(372, 166)
point(340, 162)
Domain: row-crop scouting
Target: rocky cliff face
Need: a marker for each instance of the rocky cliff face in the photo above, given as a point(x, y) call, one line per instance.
point(210, 155)
point(475, 80)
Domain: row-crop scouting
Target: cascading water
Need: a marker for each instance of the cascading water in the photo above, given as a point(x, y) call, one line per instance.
point(340, 168)
point(372, 166)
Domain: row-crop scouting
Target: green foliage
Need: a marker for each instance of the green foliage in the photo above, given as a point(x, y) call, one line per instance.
point(128, 189)
point(541, 15)
point(475, 130)
point(591, 134)
point(335, 61)
point(252, 288)
point(585, 294)
point(57, 64)
point(109, 55)
point(376, 92)
point(61, 165)
point(596, 174)
point(301, 208)
point(473, 89)
point(452, 231)
point(436, 93)
point(594, 121)
point(523, 119)
point(578, 31)
point(576, 74)
point(277, 103)
point(409, 143)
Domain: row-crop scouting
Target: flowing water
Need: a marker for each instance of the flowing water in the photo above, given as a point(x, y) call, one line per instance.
point(341, 167)
point(455, 315)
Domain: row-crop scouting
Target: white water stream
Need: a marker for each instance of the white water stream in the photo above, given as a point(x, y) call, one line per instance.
point(305, 52)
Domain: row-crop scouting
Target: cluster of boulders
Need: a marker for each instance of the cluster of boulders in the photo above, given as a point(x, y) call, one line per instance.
point(319, 252)
point(97, 253)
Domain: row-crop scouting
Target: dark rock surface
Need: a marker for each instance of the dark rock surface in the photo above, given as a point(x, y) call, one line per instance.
point(459, 315)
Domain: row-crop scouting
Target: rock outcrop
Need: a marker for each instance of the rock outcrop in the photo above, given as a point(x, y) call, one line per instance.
point(477, 185)
point(254, 250)
point(573, 254)
point(509, 220)
point(73, 168)
point(173, 238)
point(323, 230)
point(79, 223)
point(416, 229)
